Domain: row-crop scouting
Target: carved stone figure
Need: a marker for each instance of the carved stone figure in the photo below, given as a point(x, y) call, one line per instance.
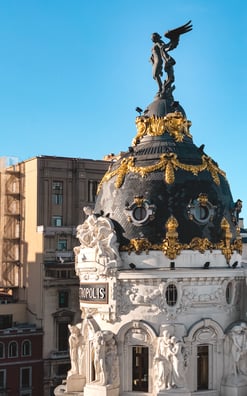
point(85, 231)
point(160, 55)
point(105, 358)
point(105, 240)
point(112, 362)
point(238, 337)
point(170, 362)
point(98, 232)
point(99, 358)
point(76, 345)
point(163, 362)
point(178, 363)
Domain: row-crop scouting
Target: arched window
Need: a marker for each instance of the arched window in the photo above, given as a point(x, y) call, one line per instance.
point(171, 295)
point(2, 350)
point(26, 348)
point(13, 349)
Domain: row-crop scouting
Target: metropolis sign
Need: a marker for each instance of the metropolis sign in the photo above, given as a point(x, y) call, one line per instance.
point(94, 292)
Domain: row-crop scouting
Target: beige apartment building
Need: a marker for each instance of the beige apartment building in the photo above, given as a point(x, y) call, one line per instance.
point(41, 204)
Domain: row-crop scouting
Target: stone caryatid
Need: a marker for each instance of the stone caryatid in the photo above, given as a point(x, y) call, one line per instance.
point(170, 362)
point(99, 351)
point(77, 348)
point(238, 349)
point(105, 359)
point(161, 58)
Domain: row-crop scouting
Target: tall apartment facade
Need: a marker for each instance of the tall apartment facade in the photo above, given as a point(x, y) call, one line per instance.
point(41, 204)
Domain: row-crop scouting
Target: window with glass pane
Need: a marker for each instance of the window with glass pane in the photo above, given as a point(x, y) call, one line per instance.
point(13, 349)
point(57, 186)
point(202, 367)
point(63, 336)
point(26, 348)
point(2, 354)
point(26, 377)
point(92, 190)
point(57, 221)
point(57, 193)
point(62, 244)
point(140, 369)
point(171, 295)
point(2, 379)
point(63, 298)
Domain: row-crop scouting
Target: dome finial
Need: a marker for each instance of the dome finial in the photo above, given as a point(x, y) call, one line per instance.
point(161, 56)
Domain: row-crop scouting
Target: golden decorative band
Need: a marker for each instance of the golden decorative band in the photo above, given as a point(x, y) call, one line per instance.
point(168, 163)
point(171, 246)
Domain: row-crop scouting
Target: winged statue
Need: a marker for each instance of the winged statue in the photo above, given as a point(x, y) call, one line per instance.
point(161, 58)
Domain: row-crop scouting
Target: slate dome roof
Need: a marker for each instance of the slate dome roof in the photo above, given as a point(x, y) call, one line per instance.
point(165, 176)
point(165, 193)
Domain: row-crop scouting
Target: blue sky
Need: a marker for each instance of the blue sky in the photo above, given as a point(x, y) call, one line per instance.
point(73, 71)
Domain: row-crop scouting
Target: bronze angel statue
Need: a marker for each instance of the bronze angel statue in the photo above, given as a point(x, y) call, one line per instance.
point(160, 56)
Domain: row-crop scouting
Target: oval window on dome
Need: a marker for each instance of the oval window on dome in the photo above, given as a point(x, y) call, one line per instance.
point(139, 213)
point(201, 213)
point(201, 210)
point(229, 292)
point(171, 295)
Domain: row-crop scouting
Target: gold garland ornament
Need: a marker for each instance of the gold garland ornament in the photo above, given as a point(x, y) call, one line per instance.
point(174, 123)
point(171, 247)
point(168, 163)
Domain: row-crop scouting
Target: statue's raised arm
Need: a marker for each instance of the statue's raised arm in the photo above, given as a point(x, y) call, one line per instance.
point(160, 57)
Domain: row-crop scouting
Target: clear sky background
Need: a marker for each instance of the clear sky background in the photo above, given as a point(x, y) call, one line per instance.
point(73, 71)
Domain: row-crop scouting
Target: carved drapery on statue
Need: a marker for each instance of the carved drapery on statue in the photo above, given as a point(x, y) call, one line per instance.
point(236, 349)
point(170, 362)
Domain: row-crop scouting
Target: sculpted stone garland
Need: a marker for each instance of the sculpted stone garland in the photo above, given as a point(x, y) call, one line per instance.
point(168, 163)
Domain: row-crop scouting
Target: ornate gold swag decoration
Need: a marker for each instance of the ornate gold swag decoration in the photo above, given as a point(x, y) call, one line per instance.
point(168, 163)
point(173, 123)
point(171, 246)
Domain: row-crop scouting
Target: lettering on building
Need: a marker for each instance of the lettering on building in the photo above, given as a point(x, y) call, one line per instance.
point(94, 292)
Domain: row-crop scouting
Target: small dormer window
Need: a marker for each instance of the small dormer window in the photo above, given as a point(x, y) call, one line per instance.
point(140, 211)
point(201, 210)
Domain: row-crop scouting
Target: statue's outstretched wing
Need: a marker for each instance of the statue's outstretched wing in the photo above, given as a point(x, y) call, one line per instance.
point(174, 34)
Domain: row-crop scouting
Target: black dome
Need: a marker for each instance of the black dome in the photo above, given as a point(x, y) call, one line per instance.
point(163, 175)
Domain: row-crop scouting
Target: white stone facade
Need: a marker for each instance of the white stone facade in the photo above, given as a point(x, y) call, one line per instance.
point(152, 326)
